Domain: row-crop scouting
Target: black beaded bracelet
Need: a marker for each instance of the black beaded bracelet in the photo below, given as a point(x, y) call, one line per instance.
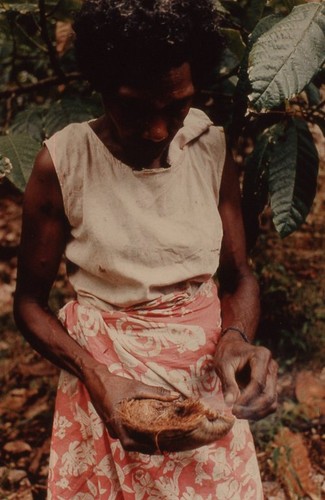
point(235, 329)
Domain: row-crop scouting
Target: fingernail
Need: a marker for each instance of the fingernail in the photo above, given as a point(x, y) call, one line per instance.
point(229, 399)
point(174, 394)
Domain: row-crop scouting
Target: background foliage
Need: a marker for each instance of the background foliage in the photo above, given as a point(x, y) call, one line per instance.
point(265, 93)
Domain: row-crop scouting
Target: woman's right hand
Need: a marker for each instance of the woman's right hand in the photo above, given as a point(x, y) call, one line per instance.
point(107, 390)
point(45, 220)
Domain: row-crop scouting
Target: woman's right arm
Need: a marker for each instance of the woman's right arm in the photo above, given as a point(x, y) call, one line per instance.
point(45, 232)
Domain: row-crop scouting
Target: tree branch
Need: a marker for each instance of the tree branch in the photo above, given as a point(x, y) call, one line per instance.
point(41, 84)
point(46, 37)
point(29, 38)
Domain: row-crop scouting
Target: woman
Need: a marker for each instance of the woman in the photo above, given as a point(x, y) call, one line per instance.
point(145, 204)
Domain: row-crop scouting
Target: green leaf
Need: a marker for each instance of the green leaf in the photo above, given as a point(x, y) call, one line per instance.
point(228, 64)
point(30, 122)
point(219, 7)
point(255, 188)
point(66, 8)
point(20, 7)
point(6, 48)
point(70, 110)
point(5, 166)
point(253, 13)
point(5, 33)
point(234, 42)
point(293, 172)
point(263, 26)
point(299, 44)
point(290, 4)
point(21, 151)
point(256, 166)
point(313, 94)
point(244, 86)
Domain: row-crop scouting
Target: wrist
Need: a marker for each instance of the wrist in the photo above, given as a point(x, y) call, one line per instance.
point(235, 333)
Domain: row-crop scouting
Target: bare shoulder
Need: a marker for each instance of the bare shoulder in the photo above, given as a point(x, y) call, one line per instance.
point(43, 191)
point(44, 231)
point(43, 170)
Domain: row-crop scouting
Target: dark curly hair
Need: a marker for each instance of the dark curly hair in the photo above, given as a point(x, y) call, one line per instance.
point(124, 40)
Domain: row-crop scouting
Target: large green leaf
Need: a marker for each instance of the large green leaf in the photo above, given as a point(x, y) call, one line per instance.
point(313, 94)
point(234, 42)
point(263, 26)
point(285, 59)
point(70, 110)
point(255, 187)
point(30, 122)
point(33, 125)
point(293, 172)
point(290, 4)
point(21, 151)
point(244, 86)
point(256, 166)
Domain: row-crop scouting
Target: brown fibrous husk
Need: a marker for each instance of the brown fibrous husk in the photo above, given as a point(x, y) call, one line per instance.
point(174, 426)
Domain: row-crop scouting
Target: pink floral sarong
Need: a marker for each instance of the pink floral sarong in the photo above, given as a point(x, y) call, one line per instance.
point(169, 343)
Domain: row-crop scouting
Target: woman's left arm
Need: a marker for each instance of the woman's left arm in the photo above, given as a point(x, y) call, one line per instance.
point(236, 358)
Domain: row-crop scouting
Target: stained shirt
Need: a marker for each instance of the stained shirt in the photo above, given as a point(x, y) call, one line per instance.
point(140, 234)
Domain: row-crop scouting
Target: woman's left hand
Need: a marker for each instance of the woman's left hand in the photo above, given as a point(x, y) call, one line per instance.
point(248, 376)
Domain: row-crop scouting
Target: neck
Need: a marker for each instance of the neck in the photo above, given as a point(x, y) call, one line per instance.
point(105, 133)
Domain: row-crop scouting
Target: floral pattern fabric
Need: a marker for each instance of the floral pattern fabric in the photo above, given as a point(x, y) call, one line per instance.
point(169, 342)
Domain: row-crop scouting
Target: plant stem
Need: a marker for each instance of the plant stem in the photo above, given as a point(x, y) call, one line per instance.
point(46, 82)
point(46, 37)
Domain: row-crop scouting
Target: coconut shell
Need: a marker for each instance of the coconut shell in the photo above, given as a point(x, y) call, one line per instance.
point(174, 426)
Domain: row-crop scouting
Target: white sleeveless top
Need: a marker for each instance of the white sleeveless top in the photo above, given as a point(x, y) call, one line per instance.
point(138, 235)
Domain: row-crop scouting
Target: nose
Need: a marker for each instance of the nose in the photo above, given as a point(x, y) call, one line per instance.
point(156, 129)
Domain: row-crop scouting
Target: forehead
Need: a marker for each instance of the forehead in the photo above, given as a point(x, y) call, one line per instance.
point(173, 83)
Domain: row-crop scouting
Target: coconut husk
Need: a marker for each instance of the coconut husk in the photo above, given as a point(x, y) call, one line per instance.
point(174, 426)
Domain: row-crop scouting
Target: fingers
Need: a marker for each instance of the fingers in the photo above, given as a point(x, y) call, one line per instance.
point(230, 389)
point(140, 443)
point(258, 405)
point(108, 390)
point(138, 390)
point(151, 392)
point(147, 447)
point(134, 446)
point(259, 362)
point(248, 377)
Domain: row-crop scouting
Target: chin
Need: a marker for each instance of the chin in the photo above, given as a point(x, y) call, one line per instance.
point(146, 156)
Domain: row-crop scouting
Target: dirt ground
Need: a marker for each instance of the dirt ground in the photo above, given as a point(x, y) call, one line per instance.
point(290, 443)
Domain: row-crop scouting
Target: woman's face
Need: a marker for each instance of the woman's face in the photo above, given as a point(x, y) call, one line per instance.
point(143, 119)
